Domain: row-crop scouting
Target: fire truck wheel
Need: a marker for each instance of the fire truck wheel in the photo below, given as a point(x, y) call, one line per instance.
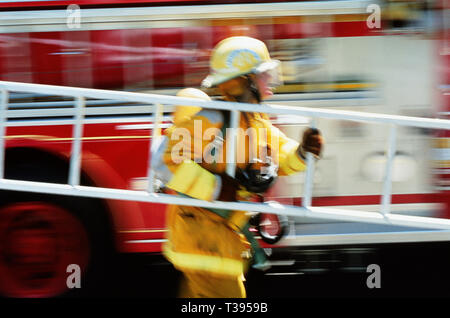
point(271, 227)
point(52, 245)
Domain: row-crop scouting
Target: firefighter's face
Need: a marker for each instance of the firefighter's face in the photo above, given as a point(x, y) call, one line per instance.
point(263, 81)
point(267, 82)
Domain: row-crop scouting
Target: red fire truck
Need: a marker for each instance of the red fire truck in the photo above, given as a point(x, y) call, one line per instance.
point(144, 45)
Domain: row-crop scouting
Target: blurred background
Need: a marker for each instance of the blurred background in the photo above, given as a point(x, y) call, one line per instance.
point(383, 56)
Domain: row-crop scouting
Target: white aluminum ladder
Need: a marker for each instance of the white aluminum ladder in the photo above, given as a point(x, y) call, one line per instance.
point(435, 229)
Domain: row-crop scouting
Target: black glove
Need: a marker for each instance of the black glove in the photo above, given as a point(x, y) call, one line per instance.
point(255, 180)
point(312, 142)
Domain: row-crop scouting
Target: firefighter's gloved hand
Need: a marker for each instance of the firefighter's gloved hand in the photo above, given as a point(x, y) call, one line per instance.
point(229, 188)
point(312, 142)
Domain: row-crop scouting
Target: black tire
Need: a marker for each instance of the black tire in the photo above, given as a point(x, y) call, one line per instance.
point(92, 221)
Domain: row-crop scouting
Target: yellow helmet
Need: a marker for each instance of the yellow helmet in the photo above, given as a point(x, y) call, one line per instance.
point(184, 113)
point(237, 56)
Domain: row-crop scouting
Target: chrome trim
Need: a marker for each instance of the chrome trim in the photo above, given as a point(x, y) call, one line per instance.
point(367, 238)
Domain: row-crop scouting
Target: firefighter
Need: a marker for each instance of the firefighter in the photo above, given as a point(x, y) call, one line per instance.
point(209, 246)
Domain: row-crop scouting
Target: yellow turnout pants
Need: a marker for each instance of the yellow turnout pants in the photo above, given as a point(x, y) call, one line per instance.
point(208, 251)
